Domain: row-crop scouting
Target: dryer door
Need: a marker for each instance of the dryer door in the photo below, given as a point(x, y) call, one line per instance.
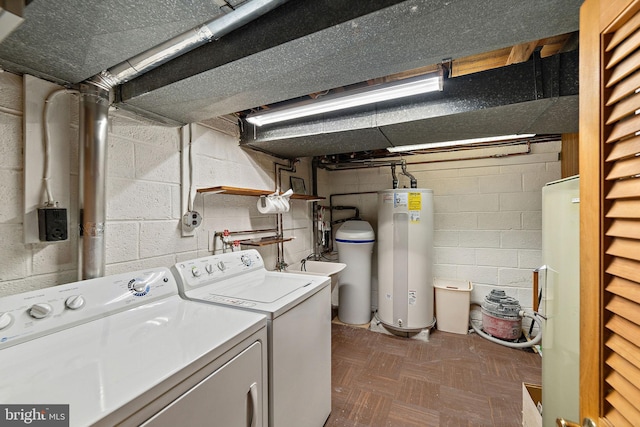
point(229, 397)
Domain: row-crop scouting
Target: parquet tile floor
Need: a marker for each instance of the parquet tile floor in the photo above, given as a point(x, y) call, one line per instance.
point(452, 380)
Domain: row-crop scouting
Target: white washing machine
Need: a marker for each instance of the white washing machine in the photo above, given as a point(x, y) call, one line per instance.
point(298, 310)
point(128, 350)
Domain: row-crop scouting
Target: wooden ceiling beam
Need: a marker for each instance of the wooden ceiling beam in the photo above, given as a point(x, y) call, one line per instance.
point(480, 62)
point(553, 45)
point(521, 52)
point(406, 74)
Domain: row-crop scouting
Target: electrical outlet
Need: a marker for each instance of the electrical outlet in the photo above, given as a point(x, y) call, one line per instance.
point(191, 220)
point(52, 224)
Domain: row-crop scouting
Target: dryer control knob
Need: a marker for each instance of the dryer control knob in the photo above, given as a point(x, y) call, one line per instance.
point(40, 310)
point(209, 268)
point(74, 302)
point(5, 320)
point(221, 266)
point(195, 271)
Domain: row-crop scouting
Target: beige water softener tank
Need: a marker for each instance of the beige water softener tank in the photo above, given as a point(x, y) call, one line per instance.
point(355, 240)
point(405, 258)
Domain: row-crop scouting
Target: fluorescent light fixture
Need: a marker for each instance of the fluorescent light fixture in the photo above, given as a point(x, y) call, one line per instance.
point(355, 98)
point(402, 148)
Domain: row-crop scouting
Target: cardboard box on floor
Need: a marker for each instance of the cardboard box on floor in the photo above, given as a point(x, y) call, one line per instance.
point(531, 401)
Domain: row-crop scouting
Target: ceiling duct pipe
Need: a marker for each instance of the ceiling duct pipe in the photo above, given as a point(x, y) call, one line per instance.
point(95, 99)
point(414, 182)
point(394, 176)
point(185, 42)
point(94, 111)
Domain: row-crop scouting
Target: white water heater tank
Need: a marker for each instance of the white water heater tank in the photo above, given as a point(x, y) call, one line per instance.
point(405, 258)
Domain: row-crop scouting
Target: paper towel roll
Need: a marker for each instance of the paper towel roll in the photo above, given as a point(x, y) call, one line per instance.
point(274, 203)
point(266, 205)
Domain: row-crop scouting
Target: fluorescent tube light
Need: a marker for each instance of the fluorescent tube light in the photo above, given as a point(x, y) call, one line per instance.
point(369, 95)
point(402, 148)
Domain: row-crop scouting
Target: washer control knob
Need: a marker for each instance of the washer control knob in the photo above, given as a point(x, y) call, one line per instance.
point(74, 302)
point(221, 266)
point(209, 268)
point(40, 310)
point(195, 271)
point(245, 260)
point(139, 285)
point(5, 320)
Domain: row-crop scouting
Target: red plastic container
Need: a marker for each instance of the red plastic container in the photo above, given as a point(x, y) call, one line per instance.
point(499, 327)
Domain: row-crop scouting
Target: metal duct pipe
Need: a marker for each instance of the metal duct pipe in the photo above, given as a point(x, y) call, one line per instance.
point(184, 43)
point(94, 110)
point(394, 176)
point(414, 181)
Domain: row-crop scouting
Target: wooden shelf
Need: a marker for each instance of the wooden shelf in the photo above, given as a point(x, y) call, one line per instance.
point(264, 241)
point(251, 192)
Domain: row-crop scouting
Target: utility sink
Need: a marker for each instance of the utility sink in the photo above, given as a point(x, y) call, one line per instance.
point(319, 268)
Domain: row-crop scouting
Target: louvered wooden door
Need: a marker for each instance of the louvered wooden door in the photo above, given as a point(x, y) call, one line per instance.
point(610, 211)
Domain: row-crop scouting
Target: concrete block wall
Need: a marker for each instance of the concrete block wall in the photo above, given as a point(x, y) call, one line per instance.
point(487, 215)
point(487, 212)
point(143, 198)
point(220, 161)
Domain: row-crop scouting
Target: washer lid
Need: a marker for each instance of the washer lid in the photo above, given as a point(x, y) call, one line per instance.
point(355, 232)
point(270, 292)
point(266, 290)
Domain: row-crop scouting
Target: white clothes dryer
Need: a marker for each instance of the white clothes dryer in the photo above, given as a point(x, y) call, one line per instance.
point(128, 350)
point(298, 310)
